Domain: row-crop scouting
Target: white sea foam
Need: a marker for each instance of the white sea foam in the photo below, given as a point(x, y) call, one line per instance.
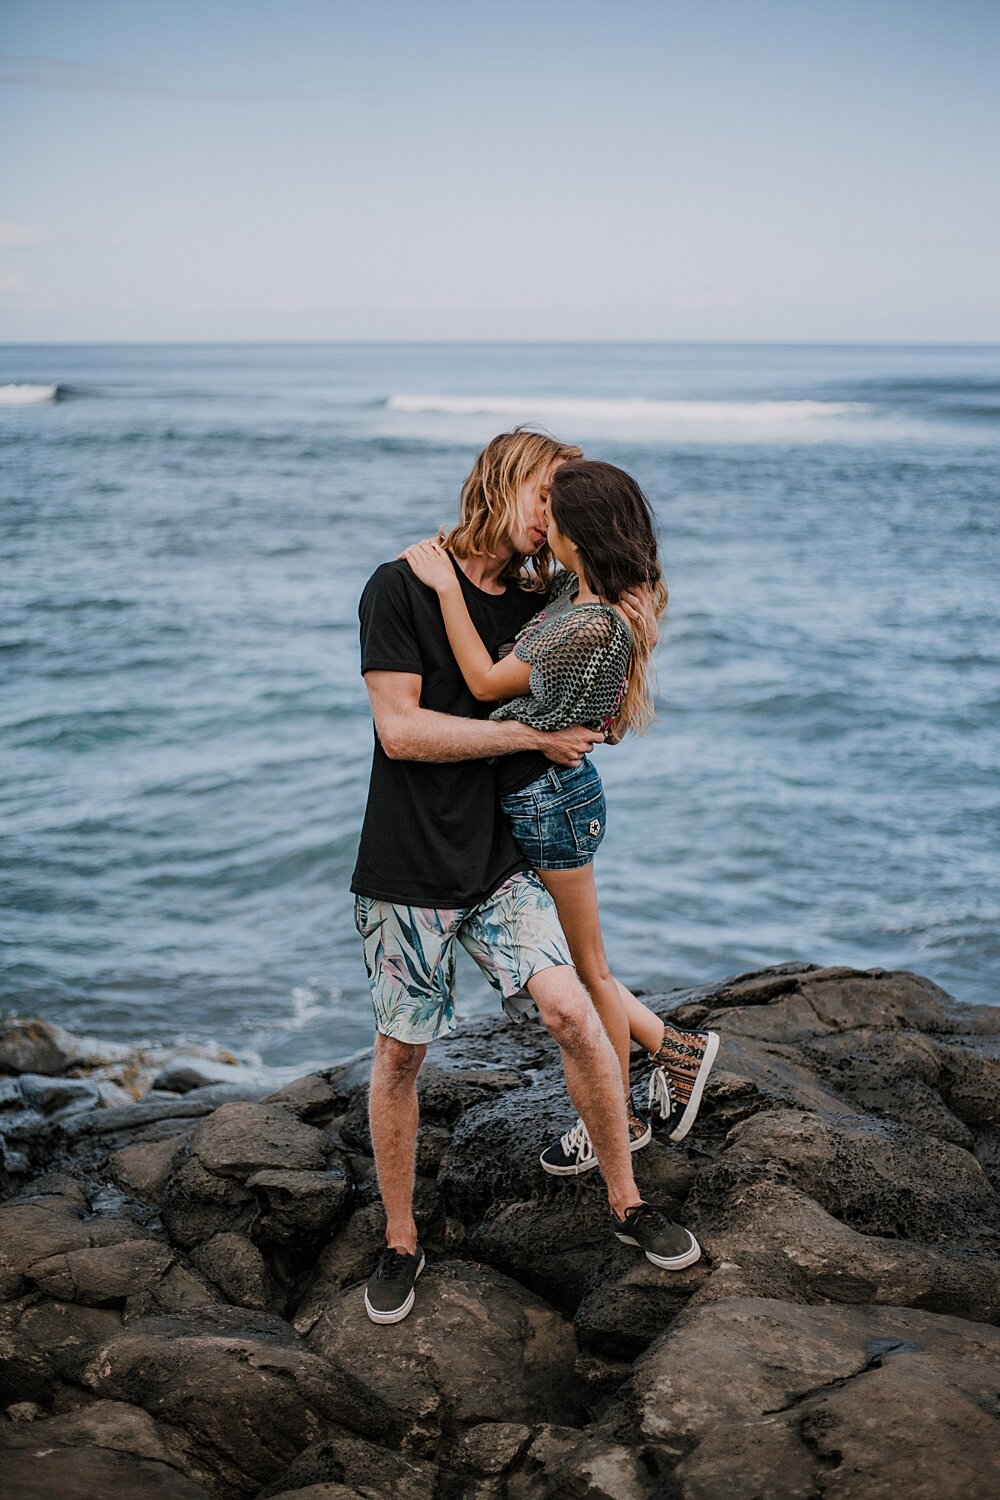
point(26, 395)
point(630, 410)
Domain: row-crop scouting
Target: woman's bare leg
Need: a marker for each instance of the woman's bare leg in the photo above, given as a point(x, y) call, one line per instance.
point(645, 1026)
point(575, 896)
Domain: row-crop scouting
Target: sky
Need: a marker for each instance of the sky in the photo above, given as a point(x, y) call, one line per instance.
point(780, 170)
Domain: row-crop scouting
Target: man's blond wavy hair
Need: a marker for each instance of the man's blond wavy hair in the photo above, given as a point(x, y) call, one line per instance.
point(488, 510)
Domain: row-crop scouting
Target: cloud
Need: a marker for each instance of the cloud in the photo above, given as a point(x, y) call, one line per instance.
point(16, 236)
point(65, 76)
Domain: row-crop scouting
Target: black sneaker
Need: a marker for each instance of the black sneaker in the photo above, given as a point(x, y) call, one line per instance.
point(573, 1152)
point(389, 1294)
point(665, 1243)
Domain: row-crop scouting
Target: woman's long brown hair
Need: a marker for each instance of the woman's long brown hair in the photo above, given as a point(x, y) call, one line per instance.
point(604, 512)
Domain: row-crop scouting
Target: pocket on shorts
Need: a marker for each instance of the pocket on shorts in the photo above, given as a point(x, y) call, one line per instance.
point(587, 822)
point(367, 915)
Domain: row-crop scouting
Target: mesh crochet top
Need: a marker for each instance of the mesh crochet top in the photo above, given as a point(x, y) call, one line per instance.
point(579, 656)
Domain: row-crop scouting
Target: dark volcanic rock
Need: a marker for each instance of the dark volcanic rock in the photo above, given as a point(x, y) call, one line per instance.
point(882, 1178)
point(775, 1241)
point(45, 1346)
point(796, 1002)
point(752, 1397)
point(144, 1169)
point(297, 1203)
point(40, 1230)
point(564, 1461)
point(258, 1172)
point(131, 1117)
point(105, 1449)
point(49, 1096)
point(241, 1139)
point(102, 1273)
point(82, 1471)
point(477, 1347)
point(197, 1204)
point(38, 1047)
point(363, 1468)
point(182, 1283)
point(894, 1074)
point(495, 1146)
point(240, 1385)
point(238, 1269)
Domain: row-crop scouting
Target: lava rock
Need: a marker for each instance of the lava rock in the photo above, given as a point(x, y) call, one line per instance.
point(40, 1227)
point(297, 1204)
point(106, 1448)
point(238, 1269)
point(564, 1461)
point(880, 1177)
point(477, 1347)
point(770, 1240)
point(752, 1396)
point(144, 1169)
point(346, 1462)
point(182, 1074)
point(184, 1273)
point(33, 1046)
point(240, 1385)
point(240, 1139)
point(102, 1273)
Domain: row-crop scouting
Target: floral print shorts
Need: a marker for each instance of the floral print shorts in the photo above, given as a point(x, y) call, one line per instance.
point(410, 954)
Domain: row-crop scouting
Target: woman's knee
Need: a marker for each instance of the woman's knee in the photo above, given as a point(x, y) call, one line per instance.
point(595, 971)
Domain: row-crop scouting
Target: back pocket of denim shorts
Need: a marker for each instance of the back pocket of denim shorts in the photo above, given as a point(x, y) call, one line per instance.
point(587, 823)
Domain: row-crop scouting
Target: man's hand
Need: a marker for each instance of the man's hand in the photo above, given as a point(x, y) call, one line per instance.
point(567, 747)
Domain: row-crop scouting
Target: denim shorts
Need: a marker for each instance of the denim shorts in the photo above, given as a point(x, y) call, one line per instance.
point(558, 821)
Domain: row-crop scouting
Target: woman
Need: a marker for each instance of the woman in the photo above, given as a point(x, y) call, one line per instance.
point(584, 658)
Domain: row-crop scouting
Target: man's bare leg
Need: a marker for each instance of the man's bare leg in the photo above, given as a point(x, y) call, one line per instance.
point(593, 1077)
point(393, 1114)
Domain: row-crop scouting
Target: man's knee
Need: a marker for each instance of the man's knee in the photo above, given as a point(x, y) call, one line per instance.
point(395, 1062)
point(565, 1007)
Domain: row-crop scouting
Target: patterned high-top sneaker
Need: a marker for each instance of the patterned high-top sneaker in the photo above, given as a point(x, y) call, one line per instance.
point(681, 1066)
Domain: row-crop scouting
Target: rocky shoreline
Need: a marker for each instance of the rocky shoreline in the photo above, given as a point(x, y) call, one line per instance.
point(182, 1315)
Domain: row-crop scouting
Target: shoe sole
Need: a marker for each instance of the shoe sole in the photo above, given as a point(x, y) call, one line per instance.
point(398, 1313)
point(666, 1262)
point(587, 1166)
point(690, 1114)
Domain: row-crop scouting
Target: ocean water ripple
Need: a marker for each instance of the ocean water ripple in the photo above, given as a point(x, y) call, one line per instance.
point(186, 737)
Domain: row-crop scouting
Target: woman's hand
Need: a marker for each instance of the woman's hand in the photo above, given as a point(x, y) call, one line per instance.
point(432, 565)
point(639, 607)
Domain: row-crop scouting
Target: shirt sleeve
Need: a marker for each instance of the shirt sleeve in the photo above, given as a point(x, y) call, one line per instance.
point(578, 662)
point(388, 634)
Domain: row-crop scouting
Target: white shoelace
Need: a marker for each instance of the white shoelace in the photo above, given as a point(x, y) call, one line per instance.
point(659, 1093)
point(577, 1142)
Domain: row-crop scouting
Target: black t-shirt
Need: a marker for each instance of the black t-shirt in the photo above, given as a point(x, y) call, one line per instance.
point(433, 833)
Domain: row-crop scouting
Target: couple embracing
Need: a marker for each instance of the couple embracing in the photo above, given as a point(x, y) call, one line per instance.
point(491, 673)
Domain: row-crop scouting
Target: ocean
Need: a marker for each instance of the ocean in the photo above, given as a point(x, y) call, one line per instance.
point(185, 735)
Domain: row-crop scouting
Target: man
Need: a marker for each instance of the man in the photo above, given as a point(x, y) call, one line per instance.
point(437, 864)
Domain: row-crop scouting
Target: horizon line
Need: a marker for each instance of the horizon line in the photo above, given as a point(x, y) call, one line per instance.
point(513, 343)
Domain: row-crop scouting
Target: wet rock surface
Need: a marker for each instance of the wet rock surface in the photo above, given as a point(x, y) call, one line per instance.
point(182, 1268)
